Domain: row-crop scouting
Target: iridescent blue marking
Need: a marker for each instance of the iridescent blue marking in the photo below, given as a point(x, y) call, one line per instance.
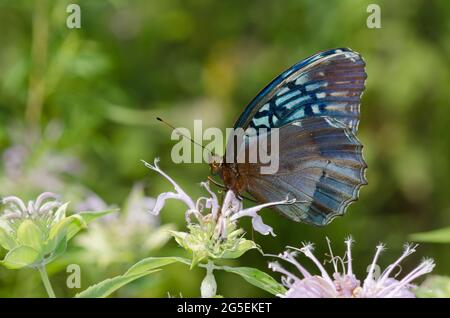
point(313, 84)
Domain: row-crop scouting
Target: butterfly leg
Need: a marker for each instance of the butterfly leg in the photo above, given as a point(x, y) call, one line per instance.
point(217, 183)
point(241, 197)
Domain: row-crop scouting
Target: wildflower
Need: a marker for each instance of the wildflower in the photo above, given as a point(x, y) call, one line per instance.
point(213, 231)
point(343, 283)
point(34, 233)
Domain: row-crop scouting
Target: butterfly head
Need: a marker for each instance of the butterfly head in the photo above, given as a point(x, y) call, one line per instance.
point(215, 162)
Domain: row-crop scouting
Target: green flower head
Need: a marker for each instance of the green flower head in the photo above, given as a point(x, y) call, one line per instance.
point(37, 232)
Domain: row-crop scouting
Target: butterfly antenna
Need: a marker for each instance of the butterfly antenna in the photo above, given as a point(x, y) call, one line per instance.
point(179, 133)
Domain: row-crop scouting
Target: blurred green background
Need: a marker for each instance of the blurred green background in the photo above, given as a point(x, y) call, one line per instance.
point(77, 109)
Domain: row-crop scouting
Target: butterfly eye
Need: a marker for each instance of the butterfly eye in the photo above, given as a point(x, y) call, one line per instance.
point(215, 167)
point(216, 163)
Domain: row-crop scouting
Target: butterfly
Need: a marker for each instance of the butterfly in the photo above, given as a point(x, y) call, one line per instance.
point(315, 104)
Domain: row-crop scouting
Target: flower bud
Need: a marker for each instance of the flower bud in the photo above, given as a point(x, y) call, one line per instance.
point(208, 288)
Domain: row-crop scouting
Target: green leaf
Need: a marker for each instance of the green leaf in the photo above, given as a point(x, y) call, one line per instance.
point(6, 240)
point(197, 257)
point(436, 236)
point(151, 263)
point(434, 287)
point(87, 217)
point(59, 231)
point(142, 268)
point(257, 278)
point(5, 226)
point(60, 213)
point(30, 234)
point(180, 238)
point(20, 256)
point(242, 247)
point(63, 226)
point(110, 285)
point(58, 251)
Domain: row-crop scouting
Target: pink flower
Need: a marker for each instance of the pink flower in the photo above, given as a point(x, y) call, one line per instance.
point(343, 283)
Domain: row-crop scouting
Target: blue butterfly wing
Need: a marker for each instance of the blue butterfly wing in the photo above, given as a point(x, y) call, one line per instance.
point(315, 103)
point(329, 83)
point(321, 165)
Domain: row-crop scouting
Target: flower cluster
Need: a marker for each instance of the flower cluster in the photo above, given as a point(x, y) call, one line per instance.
point(213, 231)
point(343, 283)
point(35, 233)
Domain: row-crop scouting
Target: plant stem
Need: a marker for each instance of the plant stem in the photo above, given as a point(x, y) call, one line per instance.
point(46, 281)
point(39, 50)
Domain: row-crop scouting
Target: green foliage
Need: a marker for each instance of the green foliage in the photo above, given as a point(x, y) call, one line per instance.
point(33, 244)
point(436, 236)
point(20, 256)
point(151, 264)
point(110, 285)
point(258, 278)
point(87, 217)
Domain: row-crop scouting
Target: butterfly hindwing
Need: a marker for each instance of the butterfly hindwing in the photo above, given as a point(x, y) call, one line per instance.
point(321, 165)
point(327, 84)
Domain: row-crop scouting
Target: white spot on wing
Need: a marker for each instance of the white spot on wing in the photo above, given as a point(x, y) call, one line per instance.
point(264, 108)
point(314, 86)
point(282, 91)
point(301, 80)
point(297, 114)
point(351, 56)
point(315, 109)
point(321, 95)
point(286, 97)
point(339, 93)
point(260, 121)
point(274, 119)
point(293, 103)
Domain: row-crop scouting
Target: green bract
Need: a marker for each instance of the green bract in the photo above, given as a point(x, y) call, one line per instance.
point(205, 241)
point(37, 233)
